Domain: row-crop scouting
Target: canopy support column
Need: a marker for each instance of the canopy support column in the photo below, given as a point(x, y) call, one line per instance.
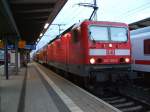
point(6, 58)
point(16, 54)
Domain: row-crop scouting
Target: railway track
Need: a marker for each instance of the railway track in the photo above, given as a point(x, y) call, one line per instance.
point(126, 97)
point(125, 103)
point(140, 93)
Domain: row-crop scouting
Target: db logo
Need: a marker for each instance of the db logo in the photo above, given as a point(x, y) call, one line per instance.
point(110, 52)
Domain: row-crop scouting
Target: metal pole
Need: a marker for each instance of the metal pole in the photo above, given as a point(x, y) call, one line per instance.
point(16, 54)
point(95, 4)
point(59, 25)
point(59, 28)
point(6, 58)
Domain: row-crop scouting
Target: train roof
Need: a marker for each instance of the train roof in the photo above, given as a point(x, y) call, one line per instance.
point(141, 30)
point(78, 24)
point(58, 36)
point(106, 22)
point(140, 24)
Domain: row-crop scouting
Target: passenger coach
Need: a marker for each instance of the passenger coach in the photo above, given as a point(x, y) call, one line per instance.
point(140, 39)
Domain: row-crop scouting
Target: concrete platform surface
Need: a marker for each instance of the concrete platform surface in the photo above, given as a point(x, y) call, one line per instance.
point(10, 90)
point(38, 89)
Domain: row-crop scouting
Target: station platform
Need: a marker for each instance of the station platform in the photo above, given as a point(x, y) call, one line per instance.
point(38, 89)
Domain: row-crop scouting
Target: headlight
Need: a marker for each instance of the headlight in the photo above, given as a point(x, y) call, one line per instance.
point(127, 60)
point(92, 60)
point(110, 45)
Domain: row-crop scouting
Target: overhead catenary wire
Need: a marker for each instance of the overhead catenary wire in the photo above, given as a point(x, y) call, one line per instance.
point(132, 11)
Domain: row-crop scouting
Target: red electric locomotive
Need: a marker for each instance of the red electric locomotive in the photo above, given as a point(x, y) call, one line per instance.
point(92, 50)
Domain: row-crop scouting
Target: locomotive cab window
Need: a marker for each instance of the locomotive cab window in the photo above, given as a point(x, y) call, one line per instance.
point(98, 33)
point(118, 34)
point(147, 46)
point(75, 34)
point(101, 33)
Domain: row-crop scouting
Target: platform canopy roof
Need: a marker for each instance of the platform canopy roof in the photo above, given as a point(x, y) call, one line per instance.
point(27, 18)
point(140, 24)
point(7, 23)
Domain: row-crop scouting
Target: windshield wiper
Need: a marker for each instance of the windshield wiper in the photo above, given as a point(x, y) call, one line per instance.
point(92, 38)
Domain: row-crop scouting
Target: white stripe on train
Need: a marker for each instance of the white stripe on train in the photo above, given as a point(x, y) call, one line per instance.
point(103, 52)
point(122, 52)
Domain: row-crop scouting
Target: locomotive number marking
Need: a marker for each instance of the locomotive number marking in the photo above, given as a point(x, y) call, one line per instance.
point(110, 52)
point(110, 60)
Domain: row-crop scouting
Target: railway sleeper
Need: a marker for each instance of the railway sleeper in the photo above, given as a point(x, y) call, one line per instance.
point(137, 108)
point(124, 104)
point(121, 100)
point(111, 98)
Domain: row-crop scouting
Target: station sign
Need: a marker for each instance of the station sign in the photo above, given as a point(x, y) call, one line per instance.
point(21, 44)
point(10, 46)
point(1, 44)
point(30, 47)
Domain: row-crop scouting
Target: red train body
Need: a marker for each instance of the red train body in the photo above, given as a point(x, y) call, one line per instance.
point(91, 48)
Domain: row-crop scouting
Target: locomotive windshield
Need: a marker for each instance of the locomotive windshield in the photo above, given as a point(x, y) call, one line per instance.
point(118, 34)
point(100, 33)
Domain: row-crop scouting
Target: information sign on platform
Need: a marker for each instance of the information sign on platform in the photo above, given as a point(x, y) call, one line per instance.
point(21, 44)
point(30, 47)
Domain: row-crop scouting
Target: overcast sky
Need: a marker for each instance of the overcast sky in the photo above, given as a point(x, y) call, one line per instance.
point(127, 11)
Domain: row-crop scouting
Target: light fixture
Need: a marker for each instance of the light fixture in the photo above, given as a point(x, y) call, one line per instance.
point(92, 60)
point(41, 34)
point(67, 35)
point(127, 60)
point(110, 45)
point(46, 25)
point(38, 39)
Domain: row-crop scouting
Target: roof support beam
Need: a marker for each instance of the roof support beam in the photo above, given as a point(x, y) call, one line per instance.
point(9, 14)
point(140, 24)
point(33, 6)
point(41, 17)
point(33, 11)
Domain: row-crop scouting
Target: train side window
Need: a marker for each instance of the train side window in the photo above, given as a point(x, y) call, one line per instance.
point(75, 35)
point(147, 46)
